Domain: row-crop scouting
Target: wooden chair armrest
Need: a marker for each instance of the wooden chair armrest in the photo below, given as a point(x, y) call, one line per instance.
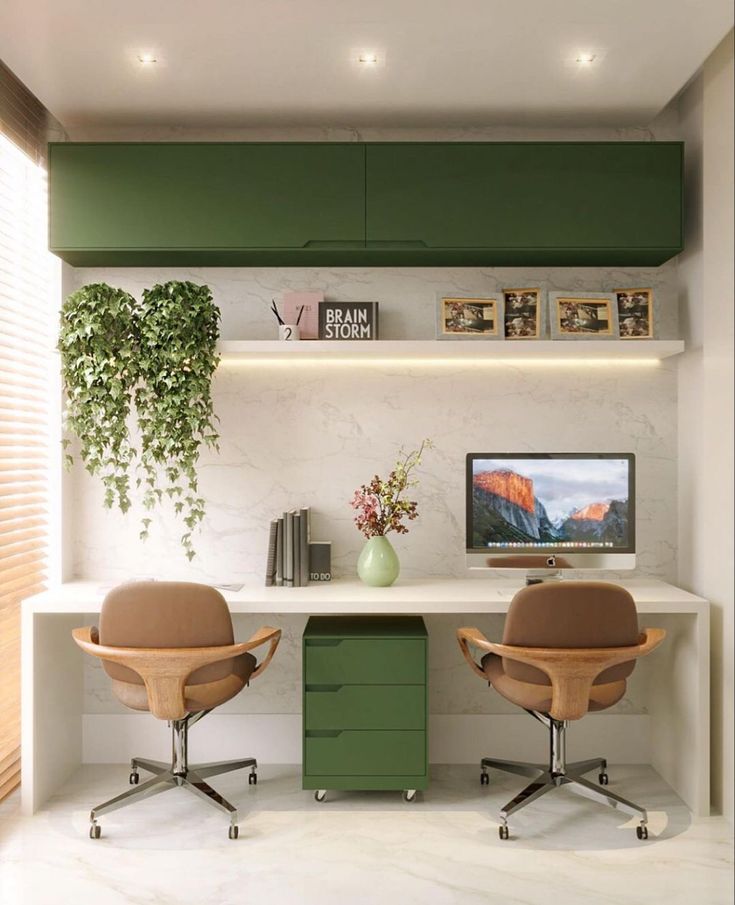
point(266, 633)
point(164, 670)
point(571, 670)
point(473, 636)
point(649, 639)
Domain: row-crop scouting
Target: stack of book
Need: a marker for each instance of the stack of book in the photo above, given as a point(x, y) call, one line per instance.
point(288, 550)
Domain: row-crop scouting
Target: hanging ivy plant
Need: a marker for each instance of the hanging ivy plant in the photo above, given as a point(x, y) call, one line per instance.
point(178, 328)
point(98, 347)
point(159, 354)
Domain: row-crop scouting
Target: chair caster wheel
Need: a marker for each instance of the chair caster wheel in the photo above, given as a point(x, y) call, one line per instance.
point(95, 831)
point(484, 778)
point(320, 794)
point(641, 831)
point(134, 778)
point(252, 779)
point(603, 779)
point(233, 832)
point(409, 794)
point(503, 831)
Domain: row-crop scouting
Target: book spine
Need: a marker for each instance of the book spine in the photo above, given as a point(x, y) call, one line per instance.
point(304, 538)
point(296, 549)
point(288, 549)
point(270, 564)
point(279, 552)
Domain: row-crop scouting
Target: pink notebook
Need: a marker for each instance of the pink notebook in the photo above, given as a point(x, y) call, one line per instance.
point(309, 323)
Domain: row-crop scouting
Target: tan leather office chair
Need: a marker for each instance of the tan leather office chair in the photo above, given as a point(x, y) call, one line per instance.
point(568, 648)
point(169, 649)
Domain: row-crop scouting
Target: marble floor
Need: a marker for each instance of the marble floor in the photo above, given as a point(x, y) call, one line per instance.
point(357, 848)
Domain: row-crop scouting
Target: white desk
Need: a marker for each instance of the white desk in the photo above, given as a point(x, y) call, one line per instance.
point(678, 701)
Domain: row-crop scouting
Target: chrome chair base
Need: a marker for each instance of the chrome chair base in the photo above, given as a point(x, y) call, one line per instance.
point(558, 774)
point(177, 773)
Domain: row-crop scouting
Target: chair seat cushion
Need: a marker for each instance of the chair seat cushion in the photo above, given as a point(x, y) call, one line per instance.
point(202, 696)
point(538, 697)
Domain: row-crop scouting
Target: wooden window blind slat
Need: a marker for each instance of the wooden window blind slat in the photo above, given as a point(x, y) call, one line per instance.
point(21, 560)
point(29, 546)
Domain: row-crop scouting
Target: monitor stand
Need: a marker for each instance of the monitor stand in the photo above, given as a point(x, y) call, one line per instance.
point(540, 576)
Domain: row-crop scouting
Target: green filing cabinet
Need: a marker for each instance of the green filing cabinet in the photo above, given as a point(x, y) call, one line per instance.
point(365, 703)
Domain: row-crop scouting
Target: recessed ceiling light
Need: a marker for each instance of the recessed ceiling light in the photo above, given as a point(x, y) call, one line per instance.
point(368, 58)
point(586, 58)
point(146, 59)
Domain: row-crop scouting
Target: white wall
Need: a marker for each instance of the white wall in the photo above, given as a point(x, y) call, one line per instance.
point(310, 435)
point(706, 386)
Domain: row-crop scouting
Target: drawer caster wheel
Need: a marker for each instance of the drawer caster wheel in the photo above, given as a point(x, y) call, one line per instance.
point(409, 795)
point(503, 831)
point(641, 831)
point(603, 779)
point(320, 794)
point(253, 779)
point(484, 778)
point(233, 832)
point(134, 778)
point(95, 831)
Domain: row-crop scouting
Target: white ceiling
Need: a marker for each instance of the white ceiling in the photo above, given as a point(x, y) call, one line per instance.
point(248, 62)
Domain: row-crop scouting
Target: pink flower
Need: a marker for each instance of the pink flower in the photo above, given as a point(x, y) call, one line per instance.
point(379, 504)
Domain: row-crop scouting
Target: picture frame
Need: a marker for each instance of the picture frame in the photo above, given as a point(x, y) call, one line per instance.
point(524, 314)
point(635, 313)
point(583, 315)
point(470, 318)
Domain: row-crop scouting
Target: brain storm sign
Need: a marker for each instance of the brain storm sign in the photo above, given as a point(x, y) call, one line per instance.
point(348, 320)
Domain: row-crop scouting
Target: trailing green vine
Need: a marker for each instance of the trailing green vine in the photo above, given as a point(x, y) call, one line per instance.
point(98, 346)
point(160, 354)
point(178, 326)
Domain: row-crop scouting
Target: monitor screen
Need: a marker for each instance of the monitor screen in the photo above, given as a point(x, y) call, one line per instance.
point(566, 503)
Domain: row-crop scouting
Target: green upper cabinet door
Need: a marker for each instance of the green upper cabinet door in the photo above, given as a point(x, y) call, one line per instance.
point(526, 202)
point(203, 202)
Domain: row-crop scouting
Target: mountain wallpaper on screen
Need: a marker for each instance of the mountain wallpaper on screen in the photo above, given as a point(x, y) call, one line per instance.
point(506, 510)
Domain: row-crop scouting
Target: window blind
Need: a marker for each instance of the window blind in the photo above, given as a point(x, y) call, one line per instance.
point(28, 282)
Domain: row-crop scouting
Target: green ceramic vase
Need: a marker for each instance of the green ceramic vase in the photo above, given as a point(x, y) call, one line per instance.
point(378, 564)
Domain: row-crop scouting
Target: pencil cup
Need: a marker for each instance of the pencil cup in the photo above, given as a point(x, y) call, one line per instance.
point(289, 332)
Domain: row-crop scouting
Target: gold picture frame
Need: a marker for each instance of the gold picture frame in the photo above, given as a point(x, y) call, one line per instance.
point(583, 316)
point(635, 313)
point(469, 318)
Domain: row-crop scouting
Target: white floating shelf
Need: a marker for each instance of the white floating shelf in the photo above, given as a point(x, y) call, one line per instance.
point(452, 352)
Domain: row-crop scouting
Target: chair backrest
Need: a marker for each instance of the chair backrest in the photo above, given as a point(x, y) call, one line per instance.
point(570, 614)
point(165, 614)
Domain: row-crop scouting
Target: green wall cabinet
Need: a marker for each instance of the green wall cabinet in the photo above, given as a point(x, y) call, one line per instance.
point(595, 203)
point(376, 204)
point(365, 703)
point(210, 203)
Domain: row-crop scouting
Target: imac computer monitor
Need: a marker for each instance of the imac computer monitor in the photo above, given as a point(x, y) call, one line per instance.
point(551, 511)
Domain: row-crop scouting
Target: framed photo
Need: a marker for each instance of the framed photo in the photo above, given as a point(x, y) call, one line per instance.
point(592, 315)
point(635, 313)
point(470, 318)
point(524, 314)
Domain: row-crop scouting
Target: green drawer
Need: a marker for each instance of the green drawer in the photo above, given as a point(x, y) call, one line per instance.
point(369, 661)
point(364, 753)
point(365, 707)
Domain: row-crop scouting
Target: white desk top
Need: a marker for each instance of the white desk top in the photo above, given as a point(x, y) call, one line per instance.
point(421, 596)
